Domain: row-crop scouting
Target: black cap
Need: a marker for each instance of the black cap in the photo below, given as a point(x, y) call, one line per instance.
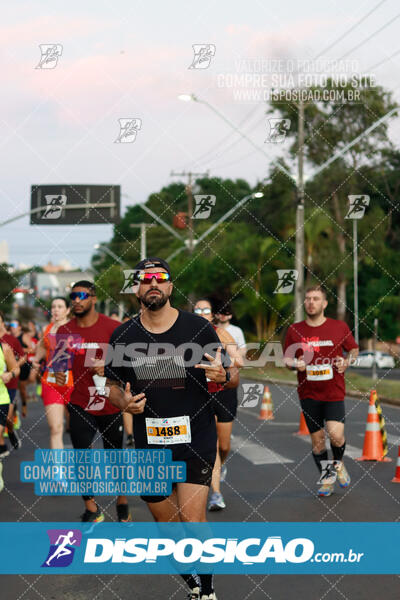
point(148, 263)
point(224, 308)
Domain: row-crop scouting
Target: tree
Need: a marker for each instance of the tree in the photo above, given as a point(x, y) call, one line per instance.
point(329, 127)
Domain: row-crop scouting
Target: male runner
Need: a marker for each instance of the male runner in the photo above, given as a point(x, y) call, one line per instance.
point(223, 317)
point(90, 413)
point(320, 367)
point(170, 401)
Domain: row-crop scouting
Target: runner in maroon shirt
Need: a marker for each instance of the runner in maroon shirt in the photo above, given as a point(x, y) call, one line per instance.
point(314, 348)
point(90, 410)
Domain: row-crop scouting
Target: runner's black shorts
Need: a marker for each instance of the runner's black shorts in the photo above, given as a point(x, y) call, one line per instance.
point(24, 371)
point(225, 405)
point(3, 414)
point(198, 470)
point(317, 411)
point(83, 427)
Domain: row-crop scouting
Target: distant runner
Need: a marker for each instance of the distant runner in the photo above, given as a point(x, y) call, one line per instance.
point(320, 367)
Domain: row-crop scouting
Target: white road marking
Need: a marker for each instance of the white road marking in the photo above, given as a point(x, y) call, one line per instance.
point(256, 453)
point(351, 451)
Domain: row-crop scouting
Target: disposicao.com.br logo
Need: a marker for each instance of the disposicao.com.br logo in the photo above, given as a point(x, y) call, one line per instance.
point(249, 551)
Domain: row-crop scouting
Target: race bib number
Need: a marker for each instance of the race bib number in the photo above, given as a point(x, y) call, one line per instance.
point(51, 377)
point(175, 430)
point(319, 372)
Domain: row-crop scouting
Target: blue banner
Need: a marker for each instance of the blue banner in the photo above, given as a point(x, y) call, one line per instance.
point(230, 548)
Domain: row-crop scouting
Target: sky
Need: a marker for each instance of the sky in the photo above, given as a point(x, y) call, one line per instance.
point(130, 59)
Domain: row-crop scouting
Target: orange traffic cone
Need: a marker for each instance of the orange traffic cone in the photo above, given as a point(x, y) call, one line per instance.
point(267, 408)
point(396, 478)
point(303, 429)
point(373, 445)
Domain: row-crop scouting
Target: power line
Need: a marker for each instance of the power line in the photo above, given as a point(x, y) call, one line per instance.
point(369, 37)
point(235, 142)
point(351, 29)
point(383, 61)
point(224, 139)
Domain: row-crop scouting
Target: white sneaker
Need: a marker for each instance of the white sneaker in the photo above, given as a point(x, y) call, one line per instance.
point(194, 594)
point(1, 477)
point(209, 597)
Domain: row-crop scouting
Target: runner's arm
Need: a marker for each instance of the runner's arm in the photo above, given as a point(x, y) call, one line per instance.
point(11, 363)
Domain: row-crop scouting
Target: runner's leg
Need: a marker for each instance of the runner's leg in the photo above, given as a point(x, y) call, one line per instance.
point(55, 420)
point(83, 429)
point(112, 432)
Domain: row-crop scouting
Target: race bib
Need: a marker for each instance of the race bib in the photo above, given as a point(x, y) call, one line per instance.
point(174, 430)
point(319, 372)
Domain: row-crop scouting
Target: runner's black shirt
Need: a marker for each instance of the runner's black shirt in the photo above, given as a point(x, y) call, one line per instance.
point(173, 388)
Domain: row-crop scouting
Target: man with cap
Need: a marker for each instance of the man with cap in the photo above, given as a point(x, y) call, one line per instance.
point(168, 396)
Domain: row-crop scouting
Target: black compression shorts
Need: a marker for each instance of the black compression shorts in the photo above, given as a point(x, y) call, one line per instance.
point(198, 470)
point(83, 427)
point(317, 411)
point(3, 414)
point(225, 405)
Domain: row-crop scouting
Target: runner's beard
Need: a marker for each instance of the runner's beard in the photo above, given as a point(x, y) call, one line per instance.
point(82, 313)
point(155, 303)
point(315, 314)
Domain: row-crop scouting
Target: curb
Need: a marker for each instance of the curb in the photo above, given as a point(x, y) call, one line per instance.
point(360, 395)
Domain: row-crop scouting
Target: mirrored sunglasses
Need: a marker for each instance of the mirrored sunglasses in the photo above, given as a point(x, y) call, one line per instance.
point(147, 278)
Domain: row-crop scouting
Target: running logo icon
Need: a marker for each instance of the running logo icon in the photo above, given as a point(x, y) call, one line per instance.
point(252, 394)
point(203, 53)
point(62, 547)
point(97, 398)
point(287, 279)
point(128, 129)
point(204, 204)
point(131, 283)
point(358, 204)
point(54, 206)
point(278, 129)
point(50, 53)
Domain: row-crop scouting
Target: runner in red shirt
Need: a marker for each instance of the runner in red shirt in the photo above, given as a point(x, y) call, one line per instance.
point(314, 348)
point(89, 408)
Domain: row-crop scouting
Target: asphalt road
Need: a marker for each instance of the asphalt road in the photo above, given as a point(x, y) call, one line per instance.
point(271, 477)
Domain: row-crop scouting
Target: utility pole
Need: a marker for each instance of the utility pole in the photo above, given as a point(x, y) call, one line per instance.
point(374, 339)
point(299, 258)
point(189, 194)
point(143, 245)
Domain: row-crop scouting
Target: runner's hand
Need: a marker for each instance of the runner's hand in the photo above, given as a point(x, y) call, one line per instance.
point(300, 364)
point(98, 366)
point(35, 364)
point(133, 404)
point(214, 371)
point(61, 378)
point(341, 364)
point(6, 377)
